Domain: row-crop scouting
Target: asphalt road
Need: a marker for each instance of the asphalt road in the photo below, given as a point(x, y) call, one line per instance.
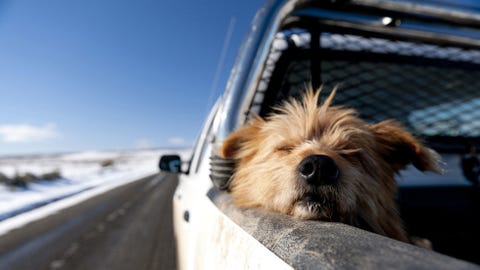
point(129, 227)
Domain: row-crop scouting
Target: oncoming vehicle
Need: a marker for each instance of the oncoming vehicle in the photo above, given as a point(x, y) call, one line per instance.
point(414, 61)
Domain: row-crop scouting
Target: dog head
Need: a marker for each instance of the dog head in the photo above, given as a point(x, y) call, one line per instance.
point(323, 162)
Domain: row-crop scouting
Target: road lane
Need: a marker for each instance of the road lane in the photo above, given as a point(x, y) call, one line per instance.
point(129, 227)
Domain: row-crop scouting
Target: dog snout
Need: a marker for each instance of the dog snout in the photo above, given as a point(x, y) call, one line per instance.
point(319, 170)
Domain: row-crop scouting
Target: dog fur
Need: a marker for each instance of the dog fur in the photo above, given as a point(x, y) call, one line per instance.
point(268, 153)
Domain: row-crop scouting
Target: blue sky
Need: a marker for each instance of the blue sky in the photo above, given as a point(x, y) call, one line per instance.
point(112, 74)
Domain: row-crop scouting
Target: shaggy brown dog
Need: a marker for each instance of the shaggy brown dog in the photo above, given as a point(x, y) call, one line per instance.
point(324, 163)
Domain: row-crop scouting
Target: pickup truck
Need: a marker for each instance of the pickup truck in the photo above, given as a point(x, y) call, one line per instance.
point(414, 61)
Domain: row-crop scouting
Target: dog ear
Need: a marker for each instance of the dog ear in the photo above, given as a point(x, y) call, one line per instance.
point(400, 148)
point(235, 140)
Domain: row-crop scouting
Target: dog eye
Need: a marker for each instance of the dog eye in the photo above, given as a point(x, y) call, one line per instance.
point(285, 148)
point(349, 152)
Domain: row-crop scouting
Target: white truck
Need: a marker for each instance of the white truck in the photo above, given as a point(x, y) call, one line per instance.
point(415, 61)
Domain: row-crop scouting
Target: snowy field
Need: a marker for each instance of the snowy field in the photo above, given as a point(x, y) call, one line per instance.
point(81, 172)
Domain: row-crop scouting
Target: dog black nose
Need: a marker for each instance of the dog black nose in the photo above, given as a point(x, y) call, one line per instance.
point(319, 170)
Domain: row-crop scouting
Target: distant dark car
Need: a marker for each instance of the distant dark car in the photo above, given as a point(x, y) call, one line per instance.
point(414, 61)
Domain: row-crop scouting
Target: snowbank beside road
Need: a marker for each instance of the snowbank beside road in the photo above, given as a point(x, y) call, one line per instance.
point(80, 172)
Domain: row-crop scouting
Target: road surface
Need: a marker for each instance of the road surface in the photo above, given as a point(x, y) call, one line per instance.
point(129, 227)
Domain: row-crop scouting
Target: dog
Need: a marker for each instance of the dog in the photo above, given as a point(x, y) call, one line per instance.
point(322, 162)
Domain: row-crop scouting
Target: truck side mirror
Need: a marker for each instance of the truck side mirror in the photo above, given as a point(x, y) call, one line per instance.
point(170, 163)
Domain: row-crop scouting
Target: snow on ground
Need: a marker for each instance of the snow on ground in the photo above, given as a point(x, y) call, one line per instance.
point(80, 172)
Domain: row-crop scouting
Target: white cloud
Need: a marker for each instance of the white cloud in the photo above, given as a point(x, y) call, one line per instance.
point(144, 144)
point(177, 141)
point(25, 133)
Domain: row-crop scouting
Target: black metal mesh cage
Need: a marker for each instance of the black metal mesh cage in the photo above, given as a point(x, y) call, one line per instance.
point(433, 90)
